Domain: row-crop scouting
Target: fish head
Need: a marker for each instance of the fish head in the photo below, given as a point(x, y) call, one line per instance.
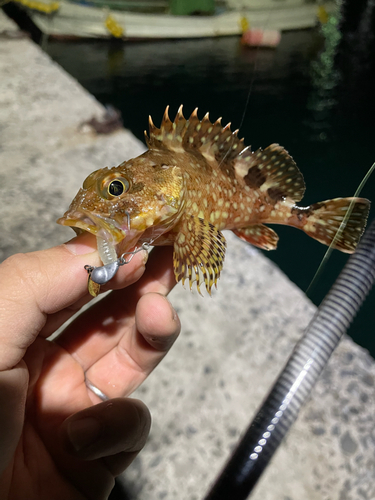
point(141, 198)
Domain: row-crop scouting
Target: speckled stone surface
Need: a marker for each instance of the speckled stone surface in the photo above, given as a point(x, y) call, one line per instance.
point(44, 153)
point(232, 345)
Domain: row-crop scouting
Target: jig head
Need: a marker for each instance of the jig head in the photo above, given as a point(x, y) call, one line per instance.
point(102, 274)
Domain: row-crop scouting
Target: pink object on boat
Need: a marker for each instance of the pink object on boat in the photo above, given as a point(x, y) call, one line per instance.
point(261, 38)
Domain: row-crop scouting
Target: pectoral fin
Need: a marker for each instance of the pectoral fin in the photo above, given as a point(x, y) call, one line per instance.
point(258, 235)
point(199, 252)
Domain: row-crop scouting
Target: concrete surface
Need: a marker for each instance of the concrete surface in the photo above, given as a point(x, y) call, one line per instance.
point(232, 346)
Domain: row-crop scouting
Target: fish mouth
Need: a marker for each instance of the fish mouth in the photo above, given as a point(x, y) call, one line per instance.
point(102, 227)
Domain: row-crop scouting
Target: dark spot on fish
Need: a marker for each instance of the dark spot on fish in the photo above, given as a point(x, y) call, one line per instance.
point(137, 187)
point(254, 178)
point(275, 193)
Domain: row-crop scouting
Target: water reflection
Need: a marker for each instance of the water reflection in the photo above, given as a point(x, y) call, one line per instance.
point(324, 79)
point(115, 58)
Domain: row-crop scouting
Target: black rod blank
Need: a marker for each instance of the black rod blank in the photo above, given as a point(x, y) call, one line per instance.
point(294, 384)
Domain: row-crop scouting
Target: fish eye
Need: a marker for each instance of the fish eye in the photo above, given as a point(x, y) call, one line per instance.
point(113, 187)
point(116, 188)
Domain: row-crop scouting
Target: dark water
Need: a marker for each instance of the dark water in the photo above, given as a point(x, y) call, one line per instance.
point(310, 95)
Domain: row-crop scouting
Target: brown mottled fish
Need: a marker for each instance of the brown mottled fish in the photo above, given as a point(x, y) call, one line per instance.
point(196, 179)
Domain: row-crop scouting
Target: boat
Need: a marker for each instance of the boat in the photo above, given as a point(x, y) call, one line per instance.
point(177, 19)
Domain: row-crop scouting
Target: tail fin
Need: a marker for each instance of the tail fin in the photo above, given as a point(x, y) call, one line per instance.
point(323, 222)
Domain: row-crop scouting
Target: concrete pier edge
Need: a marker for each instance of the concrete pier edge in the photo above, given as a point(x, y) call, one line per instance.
point(232, 346)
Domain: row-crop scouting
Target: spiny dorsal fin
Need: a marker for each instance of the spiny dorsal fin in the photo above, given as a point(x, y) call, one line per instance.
point(211, 139)
point(272, 171)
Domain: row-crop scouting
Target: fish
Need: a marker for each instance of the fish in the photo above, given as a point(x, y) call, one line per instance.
point(196, 179)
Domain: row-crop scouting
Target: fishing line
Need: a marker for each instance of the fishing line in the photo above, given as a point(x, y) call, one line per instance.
point(252, 81)
point(256, 59)
point(339, 231)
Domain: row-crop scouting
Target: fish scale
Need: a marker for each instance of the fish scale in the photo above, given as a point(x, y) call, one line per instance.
point(196, 179)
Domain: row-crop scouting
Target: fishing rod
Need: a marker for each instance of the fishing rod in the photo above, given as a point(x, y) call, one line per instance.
point(293, 386)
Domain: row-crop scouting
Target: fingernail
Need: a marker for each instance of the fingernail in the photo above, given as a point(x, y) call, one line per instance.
point(81, 245)
point(83, 432)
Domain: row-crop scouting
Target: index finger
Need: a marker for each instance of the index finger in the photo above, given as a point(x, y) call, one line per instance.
point(100, 328)
point(121, 339)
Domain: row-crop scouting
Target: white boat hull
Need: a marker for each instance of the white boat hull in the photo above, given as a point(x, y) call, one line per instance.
point(73, 20)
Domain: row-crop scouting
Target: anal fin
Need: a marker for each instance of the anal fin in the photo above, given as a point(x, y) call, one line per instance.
point(199, 251)
point(259, 235)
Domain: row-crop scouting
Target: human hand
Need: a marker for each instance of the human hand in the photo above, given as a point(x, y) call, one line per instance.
point(48, 450)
